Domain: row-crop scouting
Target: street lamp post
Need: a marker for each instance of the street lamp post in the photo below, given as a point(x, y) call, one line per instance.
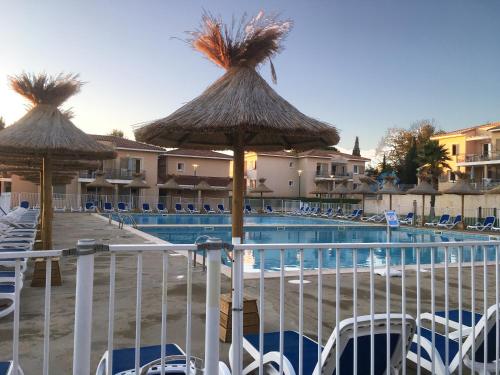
point(300, 173)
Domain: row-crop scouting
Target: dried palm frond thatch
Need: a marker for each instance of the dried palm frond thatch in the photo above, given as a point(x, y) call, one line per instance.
point(241, 102)
point(248, 44)
point(45, 89)
point(45, 130)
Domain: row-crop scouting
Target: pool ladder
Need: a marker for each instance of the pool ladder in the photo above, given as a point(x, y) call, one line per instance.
point(121, 220)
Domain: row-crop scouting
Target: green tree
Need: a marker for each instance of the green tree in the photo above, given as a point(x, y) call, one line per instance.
point(384, 166)
point(356, 151)
point(433, 159)
point(117, 133)
point(399, 141)
point(2, 123)
point(408, 172)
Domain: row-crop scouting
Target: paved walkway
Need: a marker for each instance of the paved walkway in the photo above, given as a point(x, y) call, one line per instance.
point(68, 228)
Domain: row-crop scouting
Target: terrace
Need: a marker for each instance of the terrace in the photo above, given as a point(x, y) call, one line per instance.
point(141, 290)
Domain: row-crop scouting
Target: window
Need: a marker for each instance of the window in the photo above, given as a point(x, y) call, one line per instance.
point(290, 165)
point(180, 167)
point(356, 169)
point(290, 183)
point(486, 149)
point(454, 150)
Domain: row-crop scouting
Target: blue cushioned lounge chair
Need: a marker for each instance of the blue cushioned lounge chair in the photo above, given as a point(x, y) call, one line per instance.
point(208, 209)
point(175, 362)
point(24, 204)
point(89, 207)
point(191, 209)
point(146, 208)
point(457, 220)
point(344, 342)
point(108, 207)
point(222, 210)
point(408, 220)
point(122, 207)
point(487, 224)
point(269, 209)
point(7, 368)
point(444, 219)
point(160, 207)
point(468, 320)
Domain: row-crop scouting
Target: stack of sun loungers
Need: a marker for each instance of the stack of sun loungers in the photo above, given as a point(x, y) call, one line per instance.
point(17, 234)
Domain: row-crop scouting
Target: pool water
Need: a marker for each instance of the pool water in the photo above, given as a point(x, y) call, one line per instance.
point(338, 232)
point(142, 219)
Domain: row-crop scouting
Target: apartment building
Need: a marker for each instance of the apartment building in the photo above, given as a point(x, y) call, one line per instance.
point(292, 174)
point(190, 167)
point(474, 150)
point(132, 157)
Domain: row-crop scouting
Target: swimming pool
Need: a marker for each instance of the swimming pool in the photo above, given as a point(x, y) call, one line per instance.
point(216, 219)
point(282, 229)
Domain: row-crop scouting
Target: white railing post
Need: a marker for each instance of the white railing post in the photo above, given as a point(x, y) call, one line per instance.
point(212, 312)
point(85, 250)
point(237, 311)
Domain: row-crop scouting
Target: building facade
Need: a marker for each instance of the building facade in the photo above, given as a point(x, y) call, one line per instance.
point(292, 174)
point(475, 151)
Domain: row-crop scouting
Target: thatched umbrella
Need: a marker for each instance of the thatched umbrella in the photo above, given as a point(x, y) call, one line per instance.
point(341, 188)
point(462, 187)
point(423, 188)
point(99, 183)
point(390, 189)
point(240, 111)
point(47, 133)
point(171, 184)
point(137, 183)
point(261, 188)
point(363, 189)
point(202, 186)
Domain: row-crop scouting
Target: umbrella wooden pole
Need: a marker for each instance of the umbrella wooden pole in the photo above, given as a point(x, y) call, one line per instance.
point(390, 202)
point(40, 203)
point(423, 209)
point(238, 189)
point(462, 211)
point(47, 204)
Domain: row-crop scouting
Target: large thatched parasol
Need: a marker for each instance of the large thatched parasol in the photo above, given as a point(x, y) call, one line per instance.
point(462, 187)
point(240, 111)
point(47, 133)
point(390, 189)
point(364, 189)
point(423, 188)
point(261, 188)
point(99, 182)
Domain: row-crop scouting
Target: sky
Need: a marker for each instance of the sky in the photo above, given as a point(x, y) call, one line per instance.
point(363, 66)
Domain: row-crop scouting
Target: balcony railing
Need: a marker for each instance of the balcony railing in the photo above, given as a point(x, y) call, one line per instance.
point(471, 158)
point(323, 174)
point(113, 174)
point(431, 307)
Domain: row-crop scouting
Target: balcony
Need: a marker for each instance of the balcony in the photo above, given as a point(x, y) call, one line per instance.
point(333, 176)
point(478, 158)
point(113, 174)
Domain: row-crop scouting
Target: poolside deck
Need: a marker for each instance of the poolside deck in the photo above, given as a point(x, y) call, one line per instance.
point(68, 228)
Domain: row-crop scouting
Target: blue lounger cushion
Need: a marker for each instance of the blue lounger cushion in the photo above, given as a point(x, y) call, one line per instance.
point(466, 317)
point(5, 367)
point(124, 359)
point(440, 343)
point(291, 351)
point(7, 288)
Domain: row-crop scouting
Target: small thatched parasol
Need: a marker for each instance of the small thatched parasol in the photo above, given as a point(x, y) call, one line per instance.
point(390, 189)
point(495, 190)
point(99, 182)
point(341, 188)
point(171, 184)
point(462, 187)
point(423, 188)
point(261, 188)
point(47, 133)
point(240, 111)
point(137, 184)
point(363, 189)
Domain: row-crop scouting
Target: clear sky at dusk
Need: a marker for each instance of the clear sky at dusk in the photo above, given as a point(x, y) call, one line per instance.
point(361, 65)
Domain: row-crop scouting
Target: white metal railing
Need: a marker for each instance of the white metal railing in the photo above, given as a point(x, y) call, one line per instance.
point(451, 276)
point(19, 259)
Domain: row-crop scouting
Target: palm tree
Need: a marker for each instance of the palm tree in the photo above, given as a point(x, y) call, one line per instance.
point(433, 159)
